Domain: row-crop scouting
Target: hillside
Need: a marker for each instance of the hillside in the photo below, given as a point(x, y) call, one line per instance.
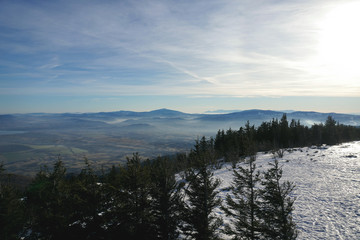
point(326, 193)
point(327, 189)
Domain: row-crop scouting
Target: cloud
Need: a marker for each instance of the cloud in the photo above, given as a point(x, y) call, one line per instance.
point(251, 48)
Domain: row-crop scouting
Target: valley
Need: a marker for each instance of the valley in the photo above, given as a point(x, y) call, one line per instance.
point(30, 141)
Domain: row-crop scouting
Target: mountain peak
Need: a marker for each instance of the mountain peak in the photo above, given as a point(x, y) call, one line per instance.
point(166, 112)
point(163, 110)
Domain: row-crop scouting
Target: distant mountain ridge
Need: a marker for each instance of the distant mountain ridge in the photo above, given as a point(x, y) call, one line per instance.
point(266, 115)
point(167, 117)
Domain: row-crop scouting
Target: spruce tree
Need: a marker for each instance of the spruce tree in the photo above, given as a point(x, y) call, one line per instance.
point(243, 206)
point(330, 134)
point(203, 153)
point(200, 222)
point(277, 205)
point(284, 132)
point(46, 203)
point(165, 199)
point(12, 215)
point(87, 203)
point(130, 214)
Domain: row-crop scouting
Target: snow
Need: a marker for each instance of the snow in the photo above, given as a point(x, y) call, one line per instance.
point(327, 192)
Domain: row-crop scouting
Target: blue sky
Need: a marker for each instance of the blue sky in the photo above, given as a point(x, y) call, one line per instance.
point(192, 56)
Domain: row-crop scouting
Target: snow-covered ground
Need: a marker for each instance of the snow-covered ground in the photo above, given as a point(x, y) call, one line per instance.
point(327, 190)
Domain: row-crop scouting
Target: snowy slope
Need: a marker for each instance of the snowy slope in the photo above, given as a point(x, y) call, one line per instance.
point(327, 190)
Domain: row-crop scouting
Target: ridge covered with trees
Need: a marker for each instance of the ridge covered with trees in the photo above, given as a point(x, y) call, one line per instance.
point(168, 198)
point(280, 134)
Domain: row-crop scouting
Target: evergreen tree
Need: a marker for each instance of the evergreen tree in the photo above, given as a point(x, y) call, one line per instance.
point(11, 208)
point(165, 199)
point(232, 147)
point(203, 153)
point(316, 133)
point(275, 129)
point(243, 206)
point(199, 220)
point(130, 214)
point(250, 145)
point(284, 132)
point(264, 136)
point(277, 205)
point(46, 202)
point(87, 202)
point(219, 144)
point(274, 135)
point(330, 133)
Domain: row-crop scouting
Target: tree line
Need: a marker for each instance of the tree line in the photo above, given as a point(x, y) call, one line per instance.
point(145, 199)
point(278, 134)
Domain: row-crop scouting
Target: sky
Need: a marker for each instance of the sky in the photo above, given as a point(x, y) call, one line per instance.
point(191, 56)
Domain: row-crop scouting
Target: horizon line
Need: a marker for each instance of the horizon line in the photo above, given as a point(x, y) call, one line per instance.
point(207, 112)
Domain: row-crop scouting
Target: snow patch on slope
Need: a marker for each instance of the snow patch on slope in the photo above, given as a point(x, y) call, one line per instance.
point(327, 189)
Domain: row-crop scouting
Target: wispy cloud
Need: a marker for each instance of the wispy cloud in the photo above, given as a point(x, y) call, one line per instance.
point(246, 48)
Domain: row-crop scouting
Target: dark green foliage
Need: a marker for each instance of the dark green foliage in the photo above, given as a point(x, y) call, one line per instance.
point(131, 214)
point(145, 200)
point(203, 153)
point(275, 135)
point(277, 205)
point(165, 199)
point(230, 145)
point(47, 199)
point(199, 220)
point(260, 205)
point(330, 131)
point(181, 162)
point(46, 203)
point(11, 208)
point(244, 205)
point(87, 204)
point(284, 140)
point(61, 206)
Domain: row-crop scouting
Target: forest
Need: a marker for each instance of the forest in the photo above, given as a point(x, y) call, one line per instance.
point(170, 197)
point(280, 134)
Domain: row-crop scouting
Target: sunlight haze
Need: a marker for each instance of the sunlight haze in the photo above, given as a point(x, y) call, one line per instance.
point(192, 56)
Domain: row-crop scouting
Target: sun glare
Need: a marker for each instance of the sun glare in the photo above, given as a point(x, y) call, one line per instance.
point(339, 42)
